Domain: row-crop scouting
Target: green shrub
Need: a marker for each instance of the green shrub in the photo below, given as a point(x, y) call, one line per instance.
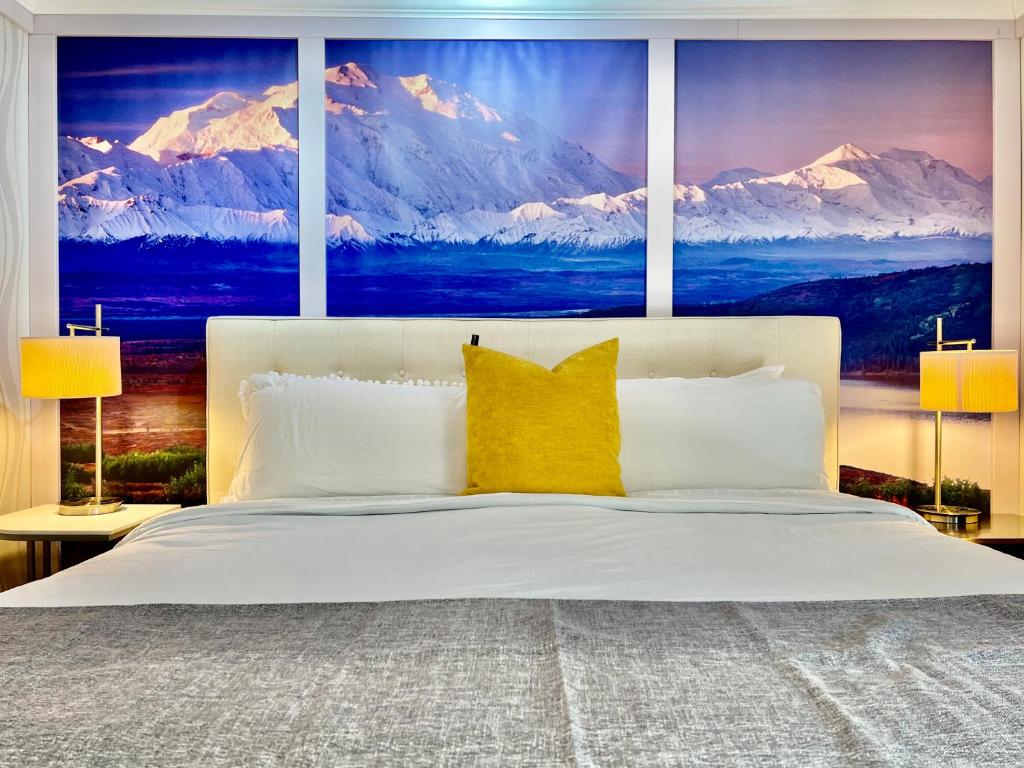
point(910, 493)
point(78, 453)
point(190, 488)
point(71, 489)
point(191, 450)
point(965, 493)
point(860, 487)
point(154, 467)
point(76, 473)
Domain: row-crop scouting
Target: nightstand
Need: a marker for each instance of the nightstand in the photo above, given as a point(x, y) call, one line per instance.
point(42, 524)
point(1002, 532)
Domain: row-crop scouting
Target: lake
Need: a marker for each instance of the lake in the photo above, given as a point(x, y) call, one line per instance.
point(882, 428)
point(432, 280)
point(167, 289)
point(720, 272)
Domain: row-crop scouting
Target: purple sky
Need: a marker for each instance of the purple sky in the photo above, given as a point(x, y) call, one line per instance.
point(117, 87)
point(776, 106)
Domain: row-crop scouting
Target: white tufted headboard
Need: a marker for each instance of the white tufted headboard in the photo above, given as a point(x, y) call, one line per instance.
point(372, 348)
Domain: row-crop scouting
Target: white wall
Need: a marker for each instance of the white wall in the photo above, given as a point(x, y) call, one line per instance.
point(14, 413)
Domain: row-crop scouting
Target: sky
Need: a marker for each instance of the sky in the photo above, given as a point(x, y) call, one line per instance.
point(590, 92)
point(776, 106)
point(117, 87)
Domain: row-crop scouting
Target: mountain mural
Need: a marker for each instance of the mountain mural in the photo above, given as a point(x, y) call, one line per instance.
point(414, 159)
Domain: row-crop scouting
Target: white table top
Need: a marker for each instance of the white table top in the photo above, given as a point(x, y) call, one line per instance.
point(42, 523)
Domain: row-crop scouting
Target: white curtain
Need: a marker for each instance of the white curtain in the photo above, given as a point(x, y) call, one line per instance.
point(14, 455)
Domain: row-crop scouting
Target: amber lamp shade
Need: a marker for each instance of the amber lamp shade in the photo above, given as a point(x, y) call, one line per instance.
point(969, 381)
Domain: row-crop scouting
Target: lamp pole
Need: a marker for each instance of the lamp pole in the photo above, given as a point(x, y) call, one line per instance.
point(941, 344)
point(938, 429)
point(98, 489)
point(98, 474)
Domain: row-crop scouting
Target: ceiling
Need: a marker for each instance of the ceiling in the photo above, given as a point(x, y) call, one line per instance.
point(640, 9)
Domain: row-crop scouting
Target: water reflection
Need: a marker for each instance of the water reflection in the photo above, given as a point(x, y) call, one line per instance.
point(881, 428)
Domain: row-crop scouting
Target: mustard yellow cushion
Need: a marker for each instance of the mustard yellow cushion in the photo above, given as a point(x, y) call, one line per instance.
point(531, 430)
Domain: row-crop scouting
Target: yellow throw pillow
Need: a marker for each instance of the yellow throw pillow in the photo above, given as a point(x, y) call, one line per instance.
point(531, 430)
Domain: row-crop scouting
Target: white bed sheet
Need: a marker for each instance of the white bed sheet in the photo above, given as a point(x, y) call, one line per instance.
point(684, 545)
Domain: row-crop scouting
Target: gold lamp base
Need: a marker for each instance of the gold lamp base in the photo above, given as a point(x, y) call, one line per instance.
point(959, 517)
point(92, 506)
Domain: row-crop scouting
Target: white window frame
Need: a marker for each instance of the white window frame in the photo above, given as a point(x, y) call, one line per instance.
point(312, 33)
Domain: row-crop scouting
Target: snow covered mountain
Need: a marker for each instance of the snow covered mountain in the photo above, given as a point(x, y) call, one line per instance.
point(847, 192)
point(224, 122)
point(225, 169)
point(416, 159)
point(402, 151)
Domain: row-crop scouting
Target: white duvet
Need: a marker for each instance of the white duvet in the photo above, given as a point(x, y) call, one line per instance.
point(690, 545)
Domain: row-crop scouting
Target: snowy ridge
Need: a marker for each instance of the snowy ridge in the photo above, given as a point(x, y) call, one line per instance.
point(566, 222)
point(416, 159)
point(848, 192)
point(122, 194)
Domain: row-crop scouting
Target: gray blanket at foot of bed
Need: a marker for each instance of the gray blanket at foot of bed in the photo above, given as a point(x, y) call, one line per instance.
point(516, 682)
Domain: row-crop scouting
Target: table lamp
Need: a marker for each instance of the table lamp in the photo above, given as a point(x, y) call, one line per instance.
point(965, 380)
point(69, 367)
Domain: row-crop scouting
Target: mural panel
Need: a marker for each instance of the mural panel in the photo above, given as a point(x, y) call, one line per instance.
point(486, 177)
point(177, 200)
point(854, 179)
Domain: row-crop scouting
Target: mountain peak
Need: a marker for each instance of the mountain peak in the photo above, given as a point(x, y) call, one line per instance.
point(915, 155)
point(844, 152)
point(446, 100)
point(225, 121)
point(421, 88)
point(95, 142)
point(350, 74)
point(171, 135)
point(285, 96)
point(222, 101)
point(733, 175)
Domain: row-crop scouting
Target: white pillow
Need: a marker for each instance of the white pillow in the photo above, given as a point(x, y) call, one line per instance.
point(331, 436)
point(764, 372)
point(337, 437)
point(721, 433)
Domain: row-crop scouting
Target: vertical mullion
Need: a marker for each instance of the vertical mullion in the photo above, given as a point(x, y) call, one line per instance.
point(661, 99)
point(312, 179)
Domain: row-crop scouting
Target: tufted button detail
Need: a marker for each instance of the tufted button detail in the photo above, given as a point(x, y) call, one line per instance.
point(650, 374)
point(402, 373)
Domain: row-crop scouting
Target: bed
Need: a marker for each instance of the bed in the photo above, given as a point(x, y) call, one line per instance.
point(674, 627)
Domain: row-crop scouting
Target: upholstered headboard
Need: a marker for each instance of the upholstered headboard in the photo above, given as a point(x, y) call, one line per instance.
point(371, 348)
